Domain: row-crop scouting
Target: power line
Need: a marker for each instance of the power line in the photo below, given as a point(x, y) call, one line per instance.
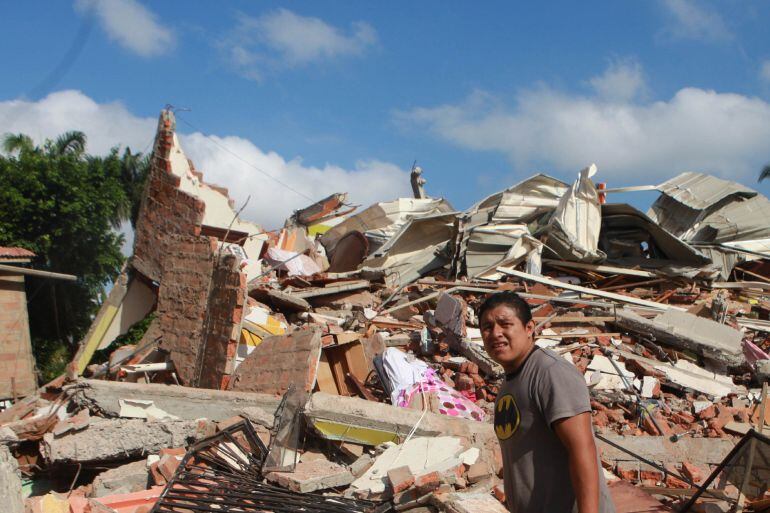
point(256, 168)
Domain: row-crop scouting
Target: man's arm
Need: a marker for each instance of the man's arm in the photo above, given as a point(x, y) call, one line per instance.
point(577, 436)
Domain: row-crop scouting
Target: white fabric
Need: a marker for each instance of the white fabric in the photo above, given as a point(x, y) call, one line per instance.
point(301, 265)
point(402, 370)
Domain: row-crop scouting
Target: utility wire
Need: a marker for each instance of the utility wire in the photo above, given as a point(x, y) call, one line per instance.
point(256, 168)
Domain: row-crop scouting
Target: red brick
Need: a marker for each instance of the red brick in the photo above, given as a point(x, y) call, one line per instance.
point(400, 479)
point(427, 483)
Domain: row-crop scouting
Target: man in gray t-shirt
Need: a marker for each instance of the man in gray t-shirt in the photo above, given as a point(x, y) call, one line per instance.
point(542, 419)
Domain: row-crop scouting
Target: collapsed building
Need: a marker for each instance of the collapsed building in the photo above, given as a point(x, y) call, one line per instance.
point(337, 364)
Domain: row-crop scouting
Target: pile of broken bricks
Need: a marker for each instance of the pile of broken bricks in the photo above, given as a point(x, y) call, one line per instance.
point(350, 344)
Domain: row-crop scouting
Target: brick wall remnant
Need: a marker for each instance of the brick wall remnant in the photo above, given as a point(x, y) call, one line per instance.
point(182, 300)
point(17, 376)
point(280, 361)
point(227, 296)
point(166, 210)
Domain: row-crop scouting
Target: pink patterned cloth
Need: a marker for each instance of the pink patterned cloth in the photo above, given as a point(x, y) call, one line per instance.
point(451, 402)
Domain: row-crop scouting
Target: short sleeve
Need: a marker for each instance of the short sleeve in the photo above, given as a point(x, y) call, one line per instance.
point(561, 392)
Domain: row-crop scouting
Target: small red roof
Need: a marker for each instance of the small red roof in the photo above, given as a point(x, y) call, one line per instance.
point(15, 253)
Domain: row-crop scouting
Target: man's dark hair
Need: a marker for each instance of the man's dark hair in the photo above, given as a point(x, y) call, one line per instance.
point(510, 299)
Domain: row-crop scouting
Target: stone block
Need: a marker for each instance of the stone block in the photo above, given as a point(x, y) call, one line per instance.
point(312, 476)
point(128, 478)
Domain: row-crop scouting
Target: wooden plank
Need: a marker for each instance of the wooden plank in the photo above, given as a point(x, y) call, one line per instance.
point(580, 335)
point(635, 284)
point(325, 379)
point(590, 292)
point(577, 318)
point(601, 268)
point(359, 386)
point(356, 361)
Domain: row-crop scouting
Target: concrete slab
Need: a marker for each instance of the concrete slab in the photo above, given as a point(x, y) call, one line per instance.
point(113, 439)
point(183, 402)
point(418, 454)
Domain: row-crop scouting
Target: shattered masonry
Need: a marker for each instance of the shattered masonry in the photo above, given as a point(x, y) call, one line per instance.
point(336, 364)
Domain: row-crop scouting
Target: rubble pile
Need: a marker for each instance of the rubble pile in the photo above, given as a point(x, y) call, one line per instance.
point(337, 364)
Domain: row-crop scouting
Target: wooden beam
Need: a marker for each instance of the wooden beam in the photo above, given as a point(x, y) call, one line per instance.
point(590, 292)
point(609, 269)
point(34, 272)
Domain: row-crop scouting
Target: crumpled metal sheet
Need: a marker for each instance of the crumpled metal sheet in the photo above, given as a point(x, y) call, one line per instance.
point(420, 246)
point(701, 208)
point(382, 221)
point(573, 230)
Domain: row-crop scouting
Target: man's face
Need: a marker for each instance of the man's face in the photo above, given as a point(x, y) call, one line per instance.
point(506, 339)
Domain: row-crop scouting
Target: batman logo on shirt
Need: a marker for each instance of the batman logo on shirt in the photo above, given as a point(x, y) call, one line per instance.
point(506, 417)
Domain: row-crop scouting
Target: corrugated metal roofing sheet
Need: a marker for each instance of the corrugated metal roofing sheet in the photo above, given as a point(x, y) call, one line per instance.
point(699, 191)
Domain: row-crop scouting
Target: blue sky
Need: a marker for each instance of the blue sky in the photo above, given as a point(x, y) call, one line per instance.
point(344, 96)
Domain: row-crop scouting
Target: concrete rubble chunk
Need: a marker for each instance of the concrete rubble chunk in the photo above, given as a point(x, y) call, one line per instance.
point(332, 416)
point(684, 330)
point(128, 478)
point(475, 502)
point(10, 482)
point(116, 439)
point(183, 402)
point(311, 476)
point(420, 455)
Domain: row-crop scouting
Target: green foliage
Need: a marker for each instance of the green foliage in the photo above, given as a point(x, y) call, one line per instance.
point(65, 206)
point(131, 337)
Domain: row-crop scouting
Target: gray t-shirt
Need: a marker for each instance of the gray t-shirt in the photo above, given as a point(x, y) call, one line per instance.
point(544, 389)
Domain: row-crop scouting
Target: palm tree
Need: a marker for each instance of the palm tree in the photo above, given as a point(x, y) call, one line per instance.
point(18, 142)
point(72, 142)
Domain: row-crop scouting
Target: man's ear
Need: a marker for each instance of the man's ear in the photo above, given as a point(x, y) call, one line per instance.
point(530, 327)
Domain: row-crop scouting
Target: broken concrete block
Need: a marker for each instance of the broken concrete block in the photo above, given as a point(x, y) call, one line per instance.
point(77, 422)
point(650, 387)
point(400, 478)
point(128, 478)
point(420, 454)
point(183, 402)
point(468, 503)
point(361, 465)
point(684, 330)
point(332, 416)
point(10, 482)
point(108, 439)
point(477, 472)
point(312, 476)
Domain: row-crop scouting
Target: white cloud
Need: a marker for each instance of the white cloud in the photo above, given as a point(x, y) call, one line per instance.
point(631, 141)
point(764, 71)
point(132, 25)
point(111, 124)
point(693, 20)
point(622, 81)
point(283, 39)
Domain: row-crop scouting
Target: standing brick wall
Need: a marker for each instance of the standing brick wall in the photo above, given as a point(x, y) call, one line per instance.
point(200, 303)
point(223, 330)
point(165, 210)
point(17, 377)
